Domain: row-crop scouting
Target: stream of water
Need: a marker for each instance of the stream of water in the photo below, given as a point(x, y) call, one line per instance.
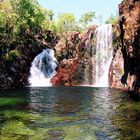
point(104, 54)
point(43, 69)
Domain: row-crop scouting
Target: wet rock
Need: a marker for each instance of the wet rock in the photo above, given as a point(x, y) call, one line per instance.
point(116, 69)
point(56, 134)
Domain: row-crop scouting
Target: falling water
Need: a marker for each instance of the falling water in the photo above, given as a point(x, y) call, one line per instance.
point(43, 69)
point(103, 56)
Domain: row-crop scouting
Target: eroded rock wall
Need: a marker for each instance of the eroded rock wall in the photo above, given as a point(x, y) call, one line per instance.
point(129, 11)
point(74, 52)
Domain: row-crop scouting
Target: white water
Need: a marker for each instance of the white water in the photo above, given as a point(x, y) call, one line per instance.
point(103, 56)
point(43, 69)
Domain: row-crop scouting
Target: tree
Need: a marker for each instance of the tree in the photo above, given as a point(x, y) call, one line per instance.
point(18, 18)
point(48, 21)
point(86, 18)
point(29, 14)
point(66, 22)
point(7, 26)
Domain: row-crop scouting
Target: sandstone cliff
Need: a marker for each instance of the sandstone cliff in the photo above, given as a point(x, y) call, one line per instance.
point(129, 11)
point(74, 52)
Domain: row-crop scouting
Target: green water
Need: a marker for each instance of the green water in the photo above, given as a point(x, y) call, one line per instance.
point(68, 113)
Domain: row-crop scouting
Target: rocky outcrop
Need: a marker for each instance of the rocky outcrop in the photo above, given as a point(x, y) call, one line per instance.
point(15, 64)
point(65, 72)
point(116, 68)
point(74, 52)
point(129, 11)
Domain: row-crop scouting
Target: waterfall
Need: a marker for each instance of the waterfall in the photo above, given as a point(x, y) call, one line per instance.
point(43, 69)
point(103, 57)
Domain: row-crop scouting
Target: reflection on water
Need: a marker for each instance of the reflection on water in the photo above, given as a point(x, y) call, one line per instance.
point(69, 113)
point(61, 101)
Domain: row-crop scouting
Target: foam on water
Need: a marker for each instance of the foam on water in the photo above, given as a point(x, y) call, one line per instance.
point(43, 69)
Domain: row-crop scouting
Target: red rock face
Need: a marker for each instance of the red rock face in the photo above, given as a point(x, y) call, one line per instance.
point(124, 71)
point(116, 70)
point(65, 73)
point(130, 41)
point(74, 57)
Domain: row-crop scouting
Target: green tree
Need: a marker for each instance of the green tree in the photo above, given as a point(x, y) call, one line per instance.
point(7, 25)
point(86, 18)
point(48, 21)
point(18, 19)
point(66, 22)
point(29, 14)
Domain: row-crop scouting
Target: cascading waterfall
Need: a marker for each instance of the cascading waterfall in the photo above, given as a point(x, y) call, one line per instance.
point(43, 69)
point(103, 57)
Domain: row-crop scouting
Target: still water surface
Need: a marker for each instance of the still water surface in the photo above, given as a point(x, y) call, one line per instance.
point(68, 113)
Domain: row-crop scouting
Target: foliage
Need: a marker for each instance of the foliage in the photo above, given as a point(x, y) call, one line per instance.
point(112, 20)
point(29, 14)
point(20, 19)
point(48, 19)
point(12, 55)
point(86, 18)
point(66, 22)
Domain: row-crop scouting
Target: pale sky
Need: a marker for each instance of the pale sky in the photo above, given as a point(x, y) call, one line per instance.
point(102, 8)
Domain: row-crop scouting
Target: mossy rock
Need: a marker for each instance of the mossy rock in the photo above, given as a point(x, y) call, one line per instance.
point(16, 128)
point(25, 116)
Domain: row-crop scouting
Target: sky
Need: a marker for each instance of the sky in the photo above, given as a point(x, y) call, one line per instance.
point(102, 8)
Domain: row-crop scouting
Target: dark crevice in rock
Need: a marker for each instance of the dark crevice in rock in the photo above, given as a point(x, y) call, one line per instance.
point(129, 11)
